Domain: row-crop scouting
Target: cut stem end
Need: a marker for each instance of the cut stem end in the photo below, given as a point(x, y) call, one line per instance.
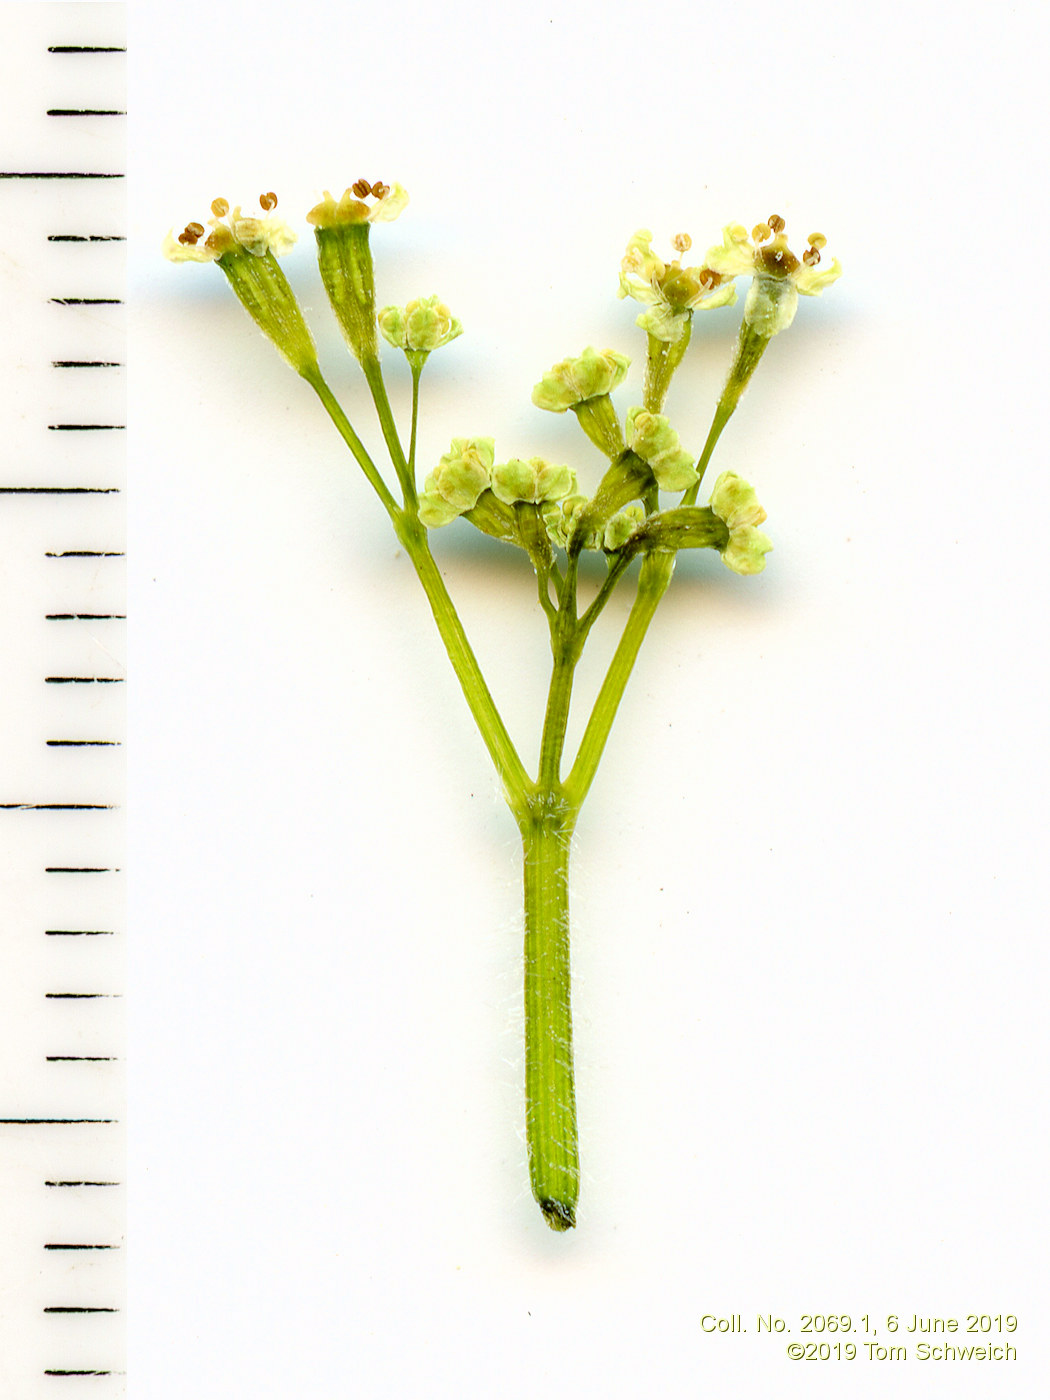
point(559, 1216)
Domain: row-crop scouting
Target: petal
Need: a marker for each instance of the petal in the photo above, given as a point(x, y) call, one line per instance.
point(725, 295)
point(735, 256)
point(390, 206)
point(175, 251)
point(811, 281)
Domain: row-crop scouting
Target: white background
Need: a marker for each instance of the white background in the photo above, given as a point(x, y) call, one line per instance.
point(808, 888)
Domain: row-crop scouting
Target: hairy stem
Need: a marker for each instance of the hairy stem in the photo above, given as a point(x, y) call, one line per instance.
point(550, 1091)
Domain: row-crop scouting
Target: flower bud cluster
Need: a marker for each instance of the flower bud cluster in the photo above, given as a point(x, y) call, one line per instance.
point(735, 502)
point(561, 519)
point(420, 327)
point(574, 381)
point(651, 437)
point(468, 471)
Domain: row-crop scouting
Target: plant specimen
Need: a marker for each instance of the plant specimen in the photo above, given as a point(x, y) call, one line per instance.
point(537, 507)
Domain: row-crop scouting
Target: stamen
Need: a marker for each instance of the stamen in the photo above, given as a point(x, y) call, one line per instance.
point(761, 232)
point(190, 233)
point(681, 242)
point(361, 188)
point(220, 207)
point(776, 223)
point(811, 257)
point(379, 190)
point(268, 202)
point(817, 240)
point(196, 229)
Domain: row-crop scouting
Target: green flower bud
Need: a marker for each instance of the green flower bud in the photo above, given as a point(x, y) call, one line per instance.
point(652, 438)
point(560, 518)
point(434, 510)
point(621, 527)
point(457, 481)
point(534, 480)
point(571, 382)
point(735, 502)
point(420, 327)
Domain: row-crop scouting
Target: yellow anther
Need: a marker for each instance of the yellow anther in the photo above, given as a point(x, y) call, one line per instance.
point(268, 202)
point(817, 240)
point(681, 242)
point(760, 232)
point(220, 207)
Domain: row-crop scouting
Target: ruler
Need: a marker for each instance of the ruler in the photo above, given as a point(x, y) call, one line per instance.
point(62, 617)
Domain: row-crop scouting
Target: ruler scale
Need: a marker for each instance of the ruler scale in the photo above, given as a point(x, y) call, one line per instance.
point(62, 615)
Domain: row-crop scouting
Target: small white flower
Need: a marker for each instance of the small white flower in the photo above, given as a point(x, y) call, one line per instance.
point(671, 292)
point(779, 275)
point(352, 208)
point(256, 234)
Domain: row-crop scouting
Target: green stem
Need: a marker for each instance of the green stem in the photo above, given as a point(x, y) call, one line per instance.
point(751, 346)
point(413, 537)
point(653, 580)
point(617, 569)
point(566, 648)
point(550, 1093)
point(516, 782)
point(374, 375)
point(335, 411)
point(723, 413)
point(417, 370)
